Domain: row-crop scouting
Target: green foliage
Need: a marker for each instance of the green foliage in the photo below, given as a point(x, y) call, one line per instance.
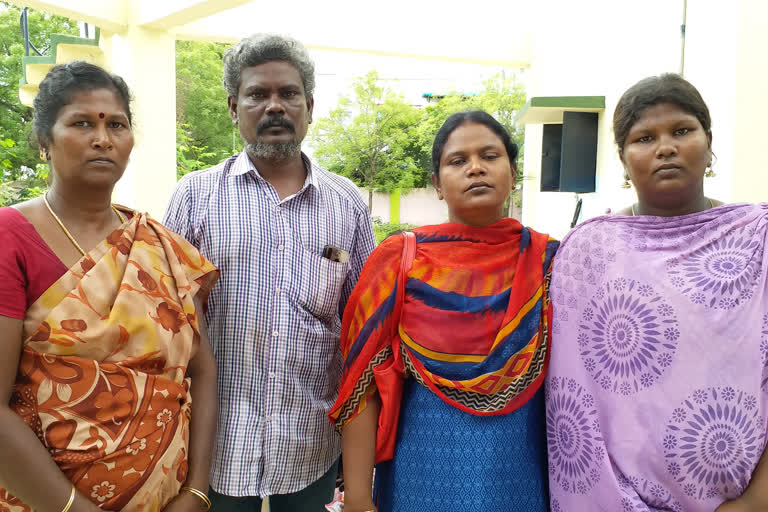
point(365, 137)
point(382, 230)
point(27, 184)
point(382, 143)
point(22, 176)
point(189, 156)
point(202, 117)
point(15, 118)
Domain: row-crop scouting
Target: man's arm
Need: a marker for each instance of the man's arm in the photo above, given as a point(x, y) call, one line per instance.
point(178, 214)
point(363, 244)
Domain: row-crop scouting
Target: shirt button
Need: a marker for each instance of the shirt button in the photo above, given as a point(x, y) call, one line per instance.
point(272, 375)
point(280, 247)
point(277, 290)
point(275, 334)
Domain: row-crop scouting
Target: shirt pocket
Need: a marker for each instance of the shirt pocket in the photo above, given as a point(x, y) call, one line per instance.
point(320, 286)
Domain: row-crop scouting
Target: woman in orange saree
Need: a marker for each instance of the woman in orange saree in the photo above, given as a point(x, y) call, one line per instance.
point(98, 373)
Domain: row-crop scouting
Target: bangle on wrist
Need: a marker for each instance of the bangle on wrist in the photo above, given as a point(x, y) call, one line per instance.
point(70, 501)
point(200, 494)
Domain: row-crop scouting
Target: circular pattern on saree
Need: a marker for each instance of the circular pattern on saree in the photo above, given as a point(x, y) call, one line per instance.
point(713, 441)
point(627, 336)
point(573, 435)
point(720, 275)
point(645, 495)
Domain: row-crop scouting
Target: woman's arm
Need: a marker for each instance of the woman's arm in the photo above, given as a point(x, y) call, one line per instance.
point(205, 412)
point(358, 449)
point(26, 469)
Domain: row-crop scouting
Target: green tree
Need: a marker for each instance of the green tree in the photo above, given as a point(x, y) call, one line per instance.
point(19, 182)
point(15, 118)
point(22, 175)
point(422, 134)
point(366, 136)
point(189, 156)
point(205, 134)
point(501, 97)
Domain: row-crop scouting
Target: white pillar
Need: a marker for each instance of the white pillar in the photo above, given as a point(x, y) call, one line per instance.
point(725, 60)
point(146, 59)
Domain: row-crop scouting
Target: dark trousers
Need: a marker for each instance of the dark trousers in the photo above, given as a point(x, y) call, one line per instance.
point(310, 499)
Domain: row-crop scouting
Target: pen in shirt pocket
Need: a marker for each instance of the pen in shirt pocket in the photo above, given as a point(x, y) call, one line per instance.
point(335, 254)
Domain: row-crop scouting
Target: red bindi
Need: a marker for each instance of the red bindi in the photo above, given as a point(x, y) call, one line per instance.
point(101, 115)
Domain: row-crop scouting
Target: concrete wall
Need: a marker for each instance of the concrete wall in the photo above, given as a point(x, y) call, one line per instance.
point(601, 47)
point(596, 51)
point(731, 73)
point(420, 207)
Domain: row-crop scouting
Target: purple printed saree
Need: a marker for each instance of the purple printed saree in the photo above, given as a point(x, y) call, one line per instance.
point(657, 393)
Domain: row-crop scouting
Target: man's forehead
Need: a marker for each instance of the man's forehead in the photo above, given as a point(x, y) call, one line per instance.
point(271, 73)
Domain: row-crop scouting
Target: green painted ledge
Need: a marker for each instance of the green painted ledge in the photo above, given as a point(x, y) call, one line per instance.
point(394, 207)
point(56, 40)
point(549, 109)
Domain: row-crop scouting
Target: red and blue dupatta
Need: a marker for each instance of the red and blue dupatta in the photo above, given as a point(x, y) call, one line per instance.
point(473, 327)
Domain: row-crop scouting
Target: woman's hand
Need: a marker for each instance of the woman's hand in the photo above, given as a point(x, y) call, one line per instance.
point(350, 506)
point(185, 502)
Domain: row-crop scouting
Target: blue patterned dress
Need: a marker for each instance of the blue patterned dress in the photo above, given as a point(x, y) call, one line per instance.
point(447, 460)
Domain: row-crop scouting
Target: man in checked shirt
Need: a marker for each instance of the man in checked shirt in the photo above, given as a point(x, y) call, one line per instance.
point(290, 239)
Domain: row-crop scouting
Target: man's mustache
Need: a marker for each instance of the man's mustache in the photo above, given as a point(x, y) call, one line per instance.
point(275, 122)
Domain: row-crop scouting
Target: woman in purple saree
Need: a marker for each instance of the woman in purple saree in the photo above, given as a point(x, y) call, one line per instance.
point(657, 394)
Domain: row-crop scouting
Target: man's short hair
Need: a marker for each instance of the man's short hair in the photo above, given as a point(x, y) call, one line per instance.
point(260, 48)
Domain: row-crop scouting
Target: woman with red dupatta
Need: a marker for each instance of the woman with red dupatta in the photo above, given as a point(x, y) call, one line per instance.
point(102, 344)
point(446, 345)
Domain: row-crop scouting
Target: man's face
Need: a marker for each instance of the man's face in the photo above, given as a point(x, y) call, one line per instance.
point(271, 109)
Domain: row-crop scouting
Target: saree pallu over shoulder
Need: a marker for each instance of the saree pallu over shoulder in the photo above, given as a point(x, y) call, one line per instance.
point(473, 326)
point(657, 393)
point(101, 378)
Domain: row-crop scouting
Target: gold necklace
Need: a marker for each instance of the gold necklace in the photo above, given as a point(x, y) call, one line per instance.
point(64, 228)
point(711, 205)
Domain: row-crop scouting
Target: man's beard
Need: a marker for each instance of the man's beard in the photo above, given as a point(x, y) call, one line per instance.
point(272, 152)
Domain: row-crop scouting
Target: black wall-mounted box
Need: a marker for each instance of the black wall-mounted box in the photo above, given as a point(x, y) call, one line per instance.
point(569, 154)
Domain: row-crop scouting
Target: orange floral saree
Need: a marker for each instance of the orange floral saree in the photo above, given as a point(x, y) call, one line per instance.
point(101, 379)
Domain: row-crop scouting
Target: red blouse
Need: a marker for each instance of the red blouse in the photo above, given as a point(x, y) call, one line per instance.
point(28, 267)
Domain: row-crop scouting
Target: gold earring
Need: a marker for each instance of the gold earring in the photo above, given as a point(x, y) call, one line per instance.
point(627, 183)
point(43, 155)
point(710, 172)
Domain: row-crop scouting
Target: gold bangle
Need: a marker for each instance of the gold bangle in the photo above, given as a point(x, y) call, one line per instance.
point(200, 494)
point(71, 500)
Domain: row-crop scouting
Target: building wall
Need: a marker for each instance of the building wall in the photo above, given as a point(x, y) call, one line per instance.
point(730, 71)
point(419, 207)
point(602, 50)
point(599, 50)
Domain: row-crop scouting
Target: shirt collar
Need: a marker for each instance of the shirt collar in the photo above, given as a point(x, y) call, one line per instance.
point(243, 165)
